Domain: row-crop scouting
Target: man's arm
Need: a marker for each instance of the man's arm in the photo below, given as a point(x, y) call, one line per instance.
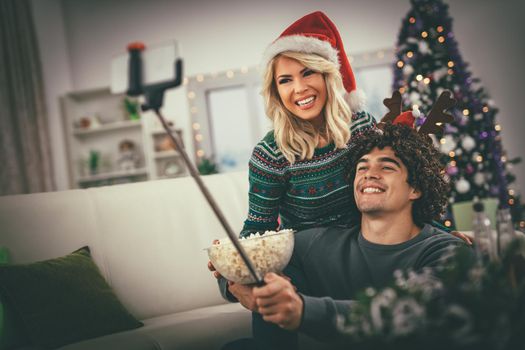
point(279, 303)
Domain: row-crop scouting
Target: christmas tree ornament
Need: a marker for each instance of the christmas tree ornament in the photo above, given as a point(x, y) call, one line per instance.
point(479, 179)
point(468, 143)
point(447, 144)
point(462, 185)
point(408, 70)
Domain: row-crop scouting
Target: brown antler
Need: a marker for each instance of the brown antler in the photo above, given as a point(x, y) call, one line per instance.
point(394, 107)
point(437, 115)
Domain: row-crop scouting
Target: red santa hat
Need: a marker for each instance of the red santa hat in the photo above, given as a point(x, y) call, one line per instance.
point(316, 33)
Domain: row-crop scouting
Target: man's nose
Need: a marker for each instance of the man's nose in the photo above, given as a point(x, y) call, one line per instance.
point(372, 173)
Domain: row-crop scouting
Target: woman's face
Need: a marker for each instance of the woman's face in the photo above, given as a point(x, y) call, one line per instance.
point(302, 90)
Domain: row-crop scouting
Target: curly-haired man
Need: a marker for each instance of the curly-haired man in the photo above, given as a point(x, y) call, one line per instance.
point(398, 189)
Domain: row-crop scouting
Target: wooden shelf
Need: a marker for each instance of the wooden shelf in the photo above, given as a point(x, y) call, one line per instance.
point(120, 125)
point(113, 175)
point(167, 154)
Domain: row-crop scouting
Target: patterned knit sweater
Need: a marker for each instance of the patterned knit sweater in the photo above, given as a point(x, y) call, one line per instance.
point(309, 193)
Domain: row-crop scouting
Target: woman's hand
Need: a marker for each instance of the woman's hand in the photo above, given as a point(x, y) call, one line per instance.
point(463, 236)
point(216, 273)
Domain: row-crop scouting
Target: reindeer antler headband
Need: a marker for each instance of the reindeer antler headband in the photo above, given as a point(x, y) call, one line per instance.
point(434, 121)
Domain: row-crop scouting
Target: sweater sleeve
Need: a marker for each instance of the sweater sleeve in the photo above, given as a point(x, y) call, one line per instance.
point(361, 121)
point(267, 186)
point(321, 315)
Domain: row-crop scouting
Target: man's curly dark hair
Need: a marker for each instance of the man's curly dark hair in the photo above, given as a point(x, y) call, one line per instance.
point(420, 157)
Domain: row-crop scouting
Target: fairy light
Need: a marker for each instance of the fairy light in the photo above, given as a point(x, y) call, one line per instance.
point(511, 201)
point(402, 90)
point(522, 224)
point(185, 81)
point(419, 77)
point(412, 20)
point(485, 109)
point(440, 29)
point(400, 64)
point(497, 127)
point(191, 95)
point(424, 34)
point(443, 141)
point(450, 71)
point(451, 154)
point(196, 126)
point(511, 192)
point(200, 153)
point(198, 137)
point(466, 112)
point(426, 81)
point(200, 78)
point(230, 74)
point(448, 223)
point(410, 54)
point(503, 159)
point(452, 163)
point(441, 39)
point(194, 110)
point(479, 159)
point(450, 64)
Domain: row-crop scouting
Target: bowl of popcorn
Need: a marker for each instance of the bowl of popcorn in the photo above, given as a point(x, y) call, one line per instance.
point(269, 252)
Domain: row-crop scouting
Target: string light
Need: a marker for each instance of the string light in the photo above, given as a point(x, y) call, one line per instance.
point(497, 127)
point(485, 109)
point(451, 154)
point(448, 223)
point(450, 71)
point(200, 78)
point(402, 90)
point(410, 54)
point(426, 81)
point(511, 192)
point(400, 64)
point(419, 77)
point(503, 159)
point(198, 137)
point(452, 163)
point(424, 34)
point(440, 29)
point(412, 20)
point(479, 159)
point(511, 201)
point(443, 141)
point(185, 81)
point(200, 153)
point(522, 224)
point(441, 39)
point(466, 112)
point(196, 126)
point(193, 110)
point(450, 64)
point(191, 95)
point(230, 74)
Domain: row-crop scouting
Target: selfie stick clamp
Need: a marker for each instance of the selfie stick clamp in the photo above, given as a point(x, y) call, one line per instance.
point(154, 95)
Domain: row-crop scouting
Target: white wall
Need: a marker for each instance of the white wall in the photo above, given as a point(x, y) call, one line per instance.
point(216, 35)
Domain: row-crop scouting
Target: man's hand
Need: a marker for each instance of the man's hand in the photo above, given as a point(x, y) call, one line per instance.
point(216, 274)
point(243, 293)
point(278, 302)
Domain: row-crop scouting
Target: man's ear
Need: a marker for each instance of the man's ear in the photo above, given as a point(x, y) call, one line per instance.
point(414, 194)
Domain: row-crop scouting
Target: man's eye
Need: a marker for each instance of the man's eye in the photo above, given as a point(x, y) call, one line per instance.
point(361, 168)
point(388, 168)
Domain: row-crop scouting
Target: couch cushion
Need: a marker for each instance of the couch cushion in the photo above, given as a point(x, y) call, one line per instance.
point(63, 300)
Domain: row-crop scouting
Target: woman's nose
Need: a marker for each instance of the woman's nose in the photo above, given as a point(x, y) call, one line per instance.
point(300, 86)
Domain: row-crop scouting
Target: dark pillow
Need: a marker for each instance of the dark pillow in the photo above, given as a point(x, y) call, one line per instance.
point(63, 300)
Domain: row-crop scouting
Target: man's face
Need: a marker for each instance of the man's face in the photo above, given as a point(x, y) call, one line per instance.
point(380, 184)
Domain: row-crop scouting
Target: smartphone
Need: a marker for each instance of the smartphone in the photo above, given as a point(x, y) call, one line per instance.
point(158, 65)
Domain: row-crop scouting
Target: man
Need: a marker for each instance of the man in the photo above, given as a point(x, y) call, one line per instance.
point(398, 188)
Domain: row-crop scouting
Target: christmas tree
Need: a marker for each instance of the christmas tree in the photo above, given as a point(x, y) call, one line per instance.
point(428, 62)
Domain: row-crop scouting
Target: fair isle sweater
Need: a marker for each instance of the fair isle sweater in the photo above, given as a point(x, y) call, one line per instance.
point(308, 193)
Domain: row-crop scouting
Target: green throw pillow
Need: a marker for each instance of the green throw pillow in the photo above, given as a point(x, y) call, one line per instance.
point(63, 300)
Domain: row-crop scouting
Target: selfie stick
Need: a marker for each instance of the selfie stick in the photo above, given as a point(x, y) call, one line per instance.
point(154, 95)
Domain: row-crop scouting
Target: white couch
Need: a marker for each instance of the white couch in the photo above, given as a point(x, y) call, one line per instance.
point(148, 240)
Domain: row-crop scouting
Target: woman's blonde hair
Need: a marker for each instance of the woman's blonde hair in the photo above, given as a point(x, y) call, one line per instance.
point(295, 137)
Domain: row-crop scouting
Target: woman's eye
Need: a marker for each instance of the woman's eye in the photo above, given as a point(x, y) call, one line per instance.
point(283, 81)
point(308, 72)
